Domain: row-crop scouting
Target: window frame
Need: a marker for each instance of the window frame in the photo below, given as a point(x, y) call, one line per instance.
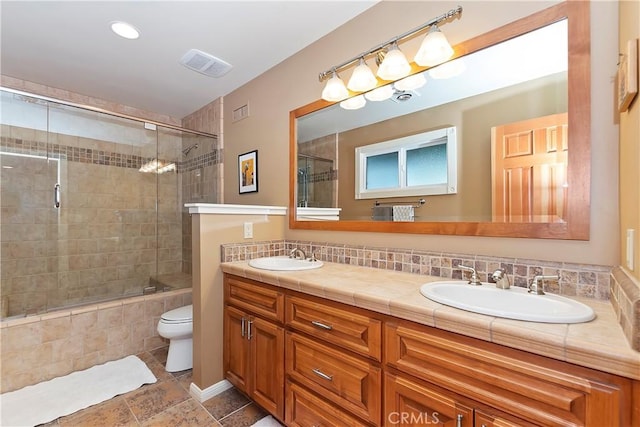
point(446, 136)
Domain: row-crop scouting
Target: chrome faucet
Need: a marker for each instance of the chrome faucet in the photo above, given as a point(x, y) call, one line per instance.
point(295, 252)
point(536, 285)
point(501, 279)
point(473, 279)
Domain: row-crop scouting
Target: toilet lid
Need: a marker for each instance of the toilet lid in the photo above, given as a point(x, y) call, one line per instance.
point(182, 314)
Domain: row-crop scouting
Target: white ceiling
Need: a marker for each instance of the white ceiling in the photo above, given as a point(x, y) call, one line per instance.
point(69, 45)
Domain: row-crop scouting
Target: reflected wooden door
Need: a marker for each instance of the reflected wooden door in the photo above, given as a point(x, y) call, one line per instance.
point(529, 170)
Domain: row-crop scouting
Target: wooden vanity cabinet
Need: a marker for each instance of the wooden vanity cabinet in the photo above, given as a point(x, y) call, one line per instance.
point(314, 362)
point(532, 388)
point(254, 342)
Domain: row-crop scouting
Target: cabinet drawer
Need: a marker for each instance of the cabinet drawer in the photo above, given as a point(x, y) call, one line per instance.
point(305, 409)
point(490, 419)
point(348, 381)
point(527, 386)
point(254, 297)
point(410, 403)
point(345, 328)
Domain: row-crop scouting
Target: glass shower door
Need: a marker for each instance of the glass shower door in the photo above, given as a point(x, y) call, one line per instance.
point(29, 175)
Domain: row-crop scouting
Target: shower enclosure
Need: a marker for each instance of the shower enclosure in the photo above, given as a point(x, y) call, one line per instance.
point(316, 182)
point(92, 203)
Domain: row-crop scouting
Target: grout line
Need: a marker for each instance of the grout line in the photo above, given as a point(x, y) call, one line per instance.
point(237, 410)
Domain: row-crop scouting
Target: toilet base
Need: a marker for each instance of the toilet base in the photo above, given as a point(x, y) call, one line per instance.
point(180, 357)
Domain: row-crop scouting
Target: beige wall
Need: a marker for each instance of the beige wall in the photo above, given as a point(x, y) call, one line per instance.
point(209, 232)
point(294, 83)
point(630, 146)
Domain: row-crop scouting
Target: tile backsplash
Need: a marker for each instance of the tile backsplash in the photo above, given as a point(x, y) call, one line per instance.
point(591, 281)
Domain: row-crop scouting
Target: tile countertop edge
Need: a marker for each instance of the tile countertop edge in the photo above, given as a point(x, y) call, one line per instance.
point(403, 292)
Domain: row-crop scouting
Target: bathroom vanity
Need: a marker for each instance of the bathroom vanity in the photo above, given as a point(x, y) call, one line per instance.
point(341, 346)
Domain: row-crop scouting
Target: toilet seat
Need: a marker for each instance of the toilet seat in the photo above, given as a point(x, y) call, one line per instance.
point(178, 315)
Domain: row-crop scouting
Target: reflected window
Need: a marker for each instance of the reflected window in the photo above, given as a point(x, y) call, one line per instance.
point(421, 164)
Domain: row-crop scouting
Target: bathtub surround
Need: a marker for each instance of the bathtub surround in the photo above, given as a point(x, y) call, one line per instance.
point(38, 348)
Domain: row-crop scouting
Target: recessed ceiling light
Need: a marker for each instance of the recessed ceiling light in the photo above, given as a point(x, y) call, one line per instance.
point(125, 30)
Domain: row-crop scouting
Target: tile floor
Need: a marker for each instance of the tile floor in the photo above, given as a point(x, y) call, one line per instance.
point(166, 403)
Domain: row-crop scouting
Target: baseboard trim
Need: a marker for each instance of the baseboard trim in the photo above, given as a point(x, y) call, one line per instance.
point(209, 392)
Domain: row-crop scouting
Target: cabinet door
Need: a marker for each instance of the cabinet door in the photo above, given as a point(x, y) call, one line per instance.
point(236, 354)
point(409, 403)
point(267, 365)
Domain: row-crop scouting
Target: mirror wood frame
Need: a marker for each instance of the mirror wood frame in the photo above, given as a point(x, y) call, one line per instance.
point(577, 222)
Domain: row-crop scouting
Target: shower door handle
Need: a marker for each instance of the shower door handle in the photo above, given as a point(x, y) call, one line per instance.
point(56, 196)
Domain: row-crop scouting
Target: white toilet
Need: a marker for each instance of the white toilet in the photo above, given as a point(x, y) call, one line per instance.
point(177, 326)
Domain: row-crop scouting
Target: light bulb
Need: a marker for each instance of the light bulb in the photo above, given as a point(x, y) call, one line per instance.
point(335, 90)
point(434, 49)
point(395, 65)
point(380, 94)
point(362, 78)
point(354, 103)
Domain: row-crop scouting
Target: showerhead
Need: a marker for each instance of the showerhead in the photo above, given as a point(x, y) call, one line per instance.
point(189, 148)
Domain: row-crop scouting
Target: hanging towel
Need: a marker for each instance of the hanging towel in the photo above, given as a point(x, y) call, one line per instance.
point(382, 213)
point(403, 213)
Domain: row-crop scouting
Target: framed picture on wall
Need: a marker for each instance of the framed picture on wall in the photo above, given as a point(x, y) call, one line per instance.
point(628, 75)
point(248, 172)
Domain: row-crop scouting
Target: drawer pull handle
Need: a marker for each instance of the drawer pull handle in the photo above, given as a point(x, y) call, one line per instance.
point(321, 325)
point(459, 420)
point(322, 375)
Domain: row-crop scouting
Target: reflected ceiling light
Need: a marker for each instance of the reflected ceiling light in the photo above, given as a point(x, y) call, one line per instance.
point(380, 94)
point(335, 90)
point(157, 166)
point(448, 69)
point(395, 65)
point(354, 103)
point(434, 50)
point(410, 83)
point(362, 78)
point(125, 30)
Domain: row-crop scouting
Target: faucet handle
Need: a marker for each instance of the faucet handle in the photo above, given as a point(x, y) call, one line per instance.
point(537, 284)
point(473, 279)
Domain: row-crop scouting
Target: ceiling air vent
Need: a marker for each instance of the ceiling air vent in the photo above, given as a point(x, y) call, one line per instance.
point(204, 63)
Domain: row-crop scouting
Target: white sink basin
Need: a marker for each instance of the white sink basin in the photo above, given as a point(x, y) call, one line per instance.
point(513, 303)
point(284, 263)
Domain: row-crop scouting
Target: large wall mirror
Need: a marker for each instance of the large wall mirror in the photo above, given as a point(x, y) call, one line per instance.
point(518, 101)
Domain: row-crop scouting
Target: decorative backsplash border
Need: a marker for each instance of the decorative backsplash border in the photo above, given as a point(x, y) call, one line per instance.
point(582, 280)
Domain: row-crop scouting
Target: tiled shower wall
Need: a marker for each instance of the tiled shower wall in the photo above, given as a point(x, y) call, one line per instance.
point(102, 242)
point(201, 173)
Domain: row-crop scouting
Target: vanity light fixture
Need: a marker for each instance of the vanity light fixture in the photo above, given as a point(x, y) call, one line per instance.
point(394, 65)
point(335, 90)
point(354, 103)
point(124, 29)
point(380, 94)
point(435, 49)
point(412, 82)
point(362, 78)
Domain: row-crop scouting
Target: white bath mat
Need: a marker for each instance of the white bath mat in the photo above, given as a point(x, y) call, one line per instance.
point(267, 421)
point(48, 400)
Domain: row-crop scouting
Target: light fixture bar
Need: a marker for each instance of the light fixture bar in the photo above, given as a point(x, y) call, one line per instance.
point(435, 21)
